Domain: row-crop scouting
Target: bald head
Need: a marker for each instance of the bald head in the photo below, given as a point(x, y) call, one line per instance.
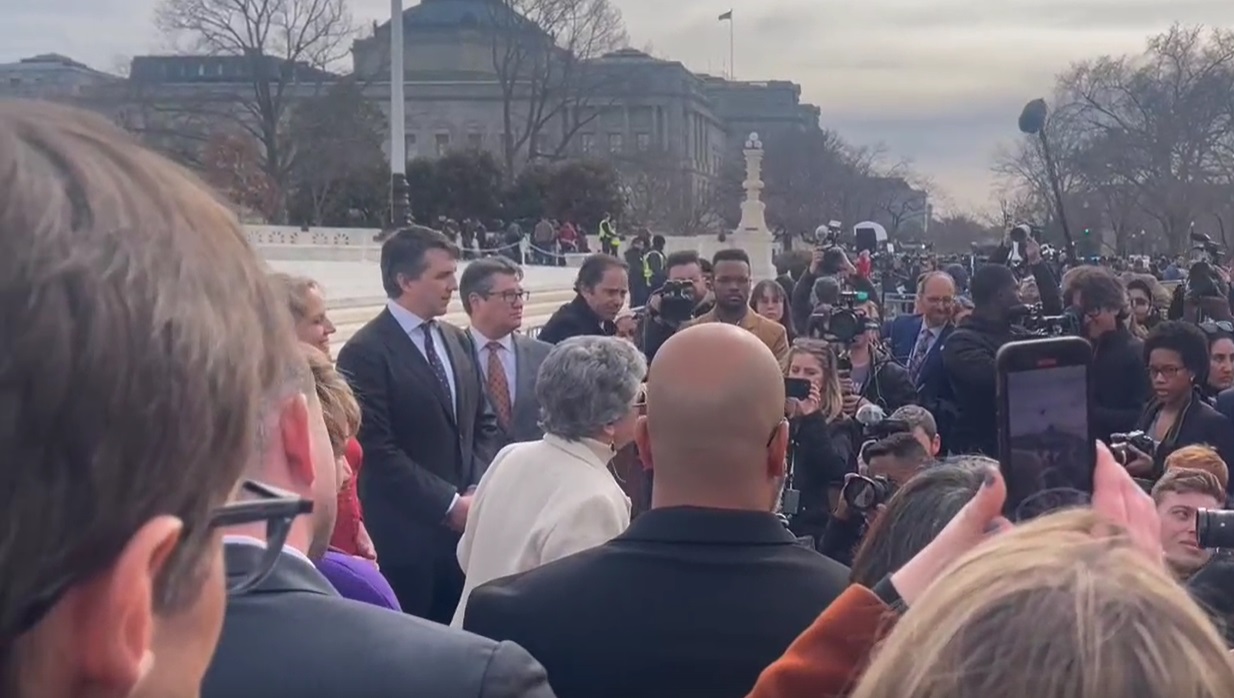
point(715, 397)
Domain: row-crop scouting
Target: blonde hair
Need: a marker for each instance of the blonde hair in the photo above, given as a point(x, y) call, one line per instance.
point(1062, 607)
point(295, 291)
point(338, 403)
point(1183, 480)
point(824, 353)
point(1200, 457)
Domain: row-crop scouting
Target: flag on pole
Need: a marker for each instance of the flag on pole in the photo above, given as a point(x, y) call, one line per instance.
point(727, 15)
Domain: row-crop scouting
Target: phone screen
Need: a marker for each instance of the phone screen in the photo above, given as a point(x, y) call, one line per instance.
point(1047, 450)
point(798, 388)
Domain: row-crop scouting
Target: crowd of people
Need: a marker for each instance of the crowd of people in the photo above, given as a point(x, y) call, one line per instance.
point(201, 501)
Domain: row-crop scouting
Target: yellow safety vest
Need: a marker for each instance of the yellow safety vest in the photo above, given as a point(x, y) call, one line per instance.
point(648, 272)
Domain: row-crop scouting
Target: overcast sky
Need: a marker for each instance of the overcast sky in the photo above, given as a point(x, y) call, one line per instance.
point(940, 82)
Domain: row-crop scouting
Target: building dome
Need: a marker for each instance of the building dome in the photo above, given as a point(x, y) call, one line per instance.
point(462, 14)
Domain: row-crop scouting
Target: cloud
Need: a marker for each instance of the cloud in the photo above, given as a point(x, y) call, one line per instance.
point(938, 81)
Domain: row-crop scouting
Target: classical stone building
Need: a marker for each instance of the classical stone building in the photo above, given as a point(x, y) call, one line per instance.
point(51, 76)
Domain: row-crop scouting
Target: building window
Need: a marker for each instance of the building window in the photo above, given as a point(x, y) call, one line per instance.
point(615, 143)
point(410, 146)
point(643, 141)
point(475, 141)
point(589, 143)
point(443, 143)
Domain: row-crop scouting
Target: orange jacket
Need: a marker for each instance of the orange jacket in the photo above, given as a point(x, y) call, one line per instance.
point(829, 657)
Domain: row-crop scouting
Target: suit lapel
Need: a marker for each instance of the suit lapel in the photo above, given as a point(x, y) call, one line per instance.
point(416, 360)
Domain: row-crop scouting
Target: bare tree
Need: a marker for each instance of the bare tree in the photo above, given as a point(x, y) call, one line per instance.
point(541, 51)
point(665, 196)
point(1165, 118)
point(286, 47)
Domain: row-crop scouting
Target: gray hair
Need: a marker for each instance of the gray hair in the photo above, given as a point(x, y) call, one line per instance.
point(588, 383)
point(478, 277)
point(917, 417)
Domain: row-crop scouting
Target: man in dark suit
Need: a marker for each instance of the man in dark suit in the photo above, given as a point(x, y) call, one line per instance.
point(292, 635)
point(427, 430)
point(493, 296)
point(916, 341)
point(602, 287)
point(708, 588)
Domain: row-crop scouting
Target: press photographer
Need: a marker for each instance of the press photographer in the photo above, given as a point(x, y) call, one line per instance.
point(1120, 379)
point(892, 461)
point(828, 262)
point(867, 374)
point(968, 355)
point(682, 297)
point(823, 440)
point(1205, 293)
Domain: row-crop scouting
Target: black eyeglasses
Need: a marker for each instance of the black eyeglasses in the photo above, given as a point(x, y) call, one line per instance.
point(510, 296)
point(278, 508)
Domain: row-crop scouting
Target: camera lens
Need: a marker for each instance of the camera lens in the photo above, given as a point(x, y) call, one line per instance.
point(861, 493)
point(1214, 528)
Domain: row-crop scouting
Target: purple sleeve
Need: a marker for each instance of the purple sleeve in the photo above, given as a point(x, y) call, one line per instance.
point(358, 580)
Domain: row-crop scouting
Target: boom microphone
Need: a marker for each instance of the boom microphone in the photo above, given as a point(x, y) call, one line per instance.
point(1032, 119)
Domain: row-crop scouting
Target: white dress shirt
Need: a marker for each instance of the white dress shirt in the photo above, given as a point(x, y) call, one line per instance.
point(410, 322)
point(539, 501)
point(505, 355)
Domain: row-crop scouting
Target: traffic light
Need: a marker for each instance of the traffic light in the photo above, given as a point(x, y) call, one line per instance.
point(1088, 232)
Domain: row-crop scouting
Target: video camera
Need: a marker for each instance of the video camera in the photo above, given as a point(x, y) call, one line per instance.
point(827, 236)
point(1031, 317)
point(677, 300)
point(1214, 528)
point(863, 493)
point(1203, 281)
point(841, 324)
point(1136, 439)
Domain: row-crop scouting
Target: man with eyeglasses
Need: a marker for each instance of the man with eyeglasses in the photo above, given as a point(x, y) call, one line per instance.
point(141, 333)
point(289, 633)
point(493, 297)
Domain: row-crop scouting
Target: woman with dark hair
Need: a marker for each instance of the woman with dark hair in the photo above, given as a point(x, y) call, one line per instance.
point(1220, 359)
point(915, 515)
point(769, 300)
point(1146, 297)
point(1178, 364)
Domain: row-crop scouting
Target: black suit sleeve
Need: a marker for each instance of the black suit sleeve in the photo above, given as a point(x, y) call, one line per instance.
point(513, 673)
point(892, 387)
point(558, 329)
point(426, 495)
point(969, 364)
point(1047, 287)
point(802, 308)
point(488, 438)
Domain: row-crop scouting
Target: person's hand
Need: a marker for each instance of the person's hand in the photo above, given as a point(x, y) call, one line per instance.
point(457, 518)
point(816, 261)
point(1120, 500)
point(364, 545)
point(852, 403)
point(1139, 463)
point(653, 302)
point(811, 404)
point(980, 519)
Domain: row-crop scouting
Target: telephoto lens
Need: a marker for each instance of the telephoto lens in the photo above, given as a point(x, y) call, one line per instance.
point(865, 493)
point(1214, 528)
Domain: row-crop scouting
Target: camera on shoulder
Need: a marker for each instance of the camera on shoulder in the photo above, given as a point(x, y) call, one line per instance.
point(677, 300)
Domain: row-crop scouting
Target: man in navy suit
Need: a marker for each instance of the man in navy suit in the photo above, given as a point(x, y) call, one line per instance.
point(917, 340)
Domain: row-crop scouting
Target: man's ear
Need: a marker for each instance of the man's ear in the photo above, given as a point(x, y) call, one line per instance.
point(777, 452)
point(110, 618)
point(297, 438)
point(642, 439)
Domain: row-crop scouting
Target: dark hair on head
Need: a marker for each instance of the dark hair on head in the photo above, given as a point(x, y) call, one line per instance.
point(988, 282)
point(914, 516)
point(773, 288)
point(1095, 289)
point(1185, 339)
point(917, 417)
point(403, 255)
point(681, 258)
point(731, 254)
point(477, 278)
point(658, 242)
point(1213, 334)
point(826, 290)
point(1139, 283)
point(903, 446)
point(706, 265)
point(593, 269)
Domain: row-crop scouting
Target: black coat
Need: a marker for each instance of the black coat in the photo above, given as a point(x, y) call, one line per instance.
point(1121, 387)
point(686, 602)
point(575, 319)
point(1200, 424)
point(969, 358)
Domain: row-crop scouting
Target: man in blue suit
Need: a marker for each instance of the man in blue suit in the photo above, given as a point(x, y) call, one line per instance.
point(916, 341)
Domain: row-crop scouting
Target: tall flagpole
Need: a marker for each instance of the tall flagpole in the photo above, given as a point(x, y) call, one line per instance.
point(400, 205)
point(732, 51)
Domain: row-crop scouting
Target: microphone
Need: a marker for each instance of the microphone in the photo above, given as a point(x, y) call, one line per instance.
point(1032, 119)
point(870, 414)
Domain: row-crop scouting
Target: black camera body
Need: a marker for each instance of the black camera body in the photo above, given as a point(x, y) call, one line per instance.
point(1069, 323)
point(1203, 281)
point(1214, 528)
point(677, 301)
point(863, 493)
point(1137, 439)
point(843, 323)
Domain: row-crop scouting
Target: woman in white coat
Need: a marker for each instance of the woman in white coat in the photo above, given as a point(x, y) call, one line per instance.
point(543, 500)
